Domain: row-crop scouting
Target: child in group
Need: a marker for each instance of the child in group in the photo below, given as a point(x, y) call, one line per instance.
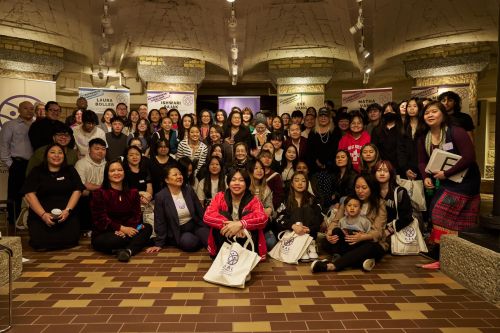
point(351, 223)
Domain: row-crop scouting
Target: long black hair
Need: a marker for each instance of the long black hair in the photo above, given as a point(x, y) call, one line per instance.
point(105, 183)
point(420, 124)
point(307, 197)
point(374, 199)
point(207, 185)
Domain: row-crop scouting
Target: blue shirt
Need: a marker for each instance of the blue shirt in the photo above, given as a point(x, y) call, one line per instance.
point(14, 141)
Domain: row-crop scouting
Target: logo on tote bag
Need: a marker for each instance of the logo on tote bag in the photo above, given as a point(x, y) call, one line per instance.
point(232, 260)
point(287, 244)
point(409, 234)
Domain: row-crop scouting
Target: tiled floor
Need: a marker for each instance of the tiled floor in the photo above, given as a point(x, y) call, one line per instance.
point(82, 291)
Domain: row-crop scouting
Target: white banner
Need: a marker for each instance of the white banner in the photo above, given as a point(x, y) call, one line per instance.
point(183, 101)
point(299, 101)
point(433, 92)
point(99, 99)
point(361, 98)
point(14, 91)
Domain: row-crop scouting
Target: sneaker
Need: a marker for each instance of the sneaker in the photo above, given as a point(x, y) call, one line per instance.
point(311, 251)
point(124, 255)
point(368, 264)
point(319, 266)
point(305, 257)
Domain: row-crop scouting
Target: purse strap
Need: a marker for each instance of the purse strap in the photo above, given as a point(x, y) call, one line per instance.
point(282, 233)
point(396, 202)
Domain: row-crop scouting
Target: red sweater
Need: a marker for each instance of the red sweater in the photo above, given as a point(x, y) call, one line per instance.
point(353, 146)
point(253, 217)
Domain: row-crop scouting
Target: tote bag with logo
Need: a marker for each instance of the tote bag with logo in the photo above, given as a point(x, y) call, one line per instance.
point(291, 247)
point(409, 240)
point(233, 263)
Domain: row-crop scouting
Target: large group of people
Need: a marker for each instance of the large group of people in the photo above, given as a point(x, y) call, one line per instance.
point(146, 180)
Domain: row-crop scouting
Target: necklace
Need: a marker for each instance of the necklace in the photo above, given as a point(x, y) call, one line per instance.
point(324, 137)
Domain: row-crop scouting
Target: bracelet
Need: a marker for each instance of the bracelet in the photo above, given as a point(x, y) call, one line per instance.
point(41, 216)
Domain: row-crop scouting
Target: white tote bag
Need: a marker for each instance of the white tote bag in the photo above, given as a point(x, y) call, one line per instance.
point(290, 247)
point(415, 190)
point(233, 263)
point(409, 240)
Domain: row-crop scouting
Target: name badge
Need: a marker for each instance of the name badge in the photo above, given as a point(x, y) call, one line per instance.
point(60, 178)
point(142, 181)
point(448, 146)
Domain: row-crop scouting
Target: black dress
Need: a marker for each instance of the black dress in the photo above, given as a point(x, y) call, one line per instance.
point(157, 173)
point(53, 190)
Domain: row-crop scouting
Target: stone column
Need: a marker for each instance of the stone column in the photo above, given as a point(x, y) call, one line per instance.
point(300, 82)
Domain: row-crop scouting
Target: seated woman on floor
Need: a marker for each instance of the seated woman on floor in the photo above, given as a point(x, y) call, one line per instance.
point(233, 210)
point(116, 216)
point(301, 213)
point(357, 248)
point(52, 191)
point(178, 215)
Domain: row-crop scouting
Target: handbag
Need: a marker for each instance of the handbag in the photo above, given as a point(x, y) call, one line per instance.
point(148, 216)
point(290, 247)
point(409, 240)
point(416, 192)
point(233, 263)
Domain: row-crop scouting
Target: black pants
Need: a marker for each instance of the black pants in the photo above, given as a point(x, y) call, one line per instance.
point(83, 209)
point(352, 255)
point(17, 175)
point(193, 237)
point(59, 236)
point(108, 242)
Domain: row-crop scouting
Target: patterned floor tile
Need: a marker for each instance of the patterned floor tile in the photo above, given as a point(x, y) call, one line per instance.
point(78, 290)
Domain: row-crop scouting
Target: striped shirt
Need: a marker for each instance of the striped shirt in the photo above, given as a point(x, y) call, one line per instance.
point(198, 156)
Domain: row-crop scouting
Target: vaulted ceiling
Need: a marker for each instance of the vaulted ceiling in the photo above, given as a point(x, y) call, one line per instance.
point(266, 29)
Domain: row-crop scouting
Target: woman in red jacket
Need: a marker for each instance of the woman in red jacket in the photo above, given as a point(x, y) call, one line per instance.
point(232, 211)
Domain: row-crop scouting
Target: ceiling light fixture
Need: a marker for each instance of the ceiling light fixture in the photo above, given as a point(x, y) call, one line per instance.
point(368, 70)
point(366, 78)
point(231, 1)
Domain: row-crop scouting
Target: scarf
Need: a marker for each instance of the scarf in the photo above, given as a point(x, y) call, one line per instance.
point(428, 140)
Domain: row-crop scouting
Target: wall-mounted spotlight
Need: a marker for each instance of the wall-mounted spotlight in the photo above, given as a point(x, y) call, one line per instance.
point(356, 27)
point(368, 70)
point(230, 0)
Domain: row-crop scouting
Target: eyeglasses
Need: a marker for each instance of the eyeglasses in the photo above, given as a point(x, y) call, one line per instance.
point(54, 110)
